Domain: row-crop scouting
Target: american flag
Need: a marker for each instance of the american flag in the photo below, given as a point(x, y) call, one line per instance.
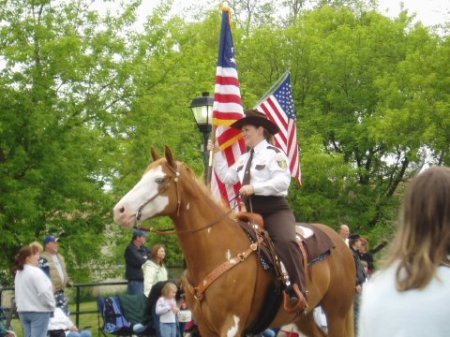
point(227, 109)
point(279, 108)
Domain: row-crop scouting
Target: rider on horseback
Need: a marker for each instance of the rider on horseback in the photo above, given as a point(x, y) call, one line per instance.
point(264, 176)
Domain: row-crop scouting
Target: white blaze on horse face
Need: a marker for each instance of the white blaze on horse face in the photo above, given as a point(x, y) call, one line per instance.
point(232, 331)
point(147, 188)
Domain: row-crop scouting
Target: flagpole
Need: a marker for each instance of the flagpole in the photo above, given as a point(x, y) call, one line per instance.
point(211, 157)
point(276, 84)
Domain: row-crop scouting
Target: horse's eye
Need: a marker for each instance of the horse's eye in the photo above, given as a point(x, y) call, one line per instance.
point(159, 180)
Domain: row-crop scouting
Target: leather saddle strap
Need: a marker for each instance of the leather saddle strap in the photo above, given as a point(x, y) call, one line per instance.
point(198, 291)
point(306, 265)
point(275, 259)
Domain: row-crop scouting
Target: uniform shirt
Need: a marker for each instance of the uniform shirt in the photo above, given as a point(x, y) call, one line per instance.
point(33, 290)
point(269, 172)
point(386, 312)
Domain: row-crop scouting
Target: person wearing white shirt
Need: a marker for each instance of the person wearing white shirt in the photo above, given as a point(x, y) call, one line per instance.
point(166, 308)
point(410, 297)
point(265, 178)
point(33, 292)
point(61, 325)
point(153, 269)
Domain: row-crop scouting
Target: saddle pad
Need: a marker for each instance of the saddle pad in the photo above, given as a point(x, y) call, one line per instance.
point(318, 245)
point(303, 232)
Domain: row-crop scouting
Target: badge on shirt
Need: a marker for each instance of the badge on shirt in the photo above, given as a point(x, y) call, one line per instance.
point(282, 163)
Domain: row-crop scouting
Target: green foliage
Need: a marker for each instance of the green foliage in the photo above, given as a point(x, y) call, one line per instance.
point(84, 96)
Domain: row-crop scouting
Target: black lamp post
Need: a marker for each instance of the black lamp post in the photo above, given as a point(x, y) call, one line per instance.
point(202, 111)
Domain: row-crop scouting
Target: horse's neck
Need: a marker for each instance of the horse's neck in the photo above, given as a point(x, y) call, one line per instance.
point(211, 245)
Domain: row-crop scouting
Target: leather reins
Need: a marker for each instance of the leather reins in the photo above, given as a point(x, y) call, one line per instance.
point(197, 291)
point(175, 177)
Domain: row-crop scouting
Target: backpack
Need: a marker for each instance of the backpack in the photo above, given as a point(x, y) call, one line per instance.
point(113, 318)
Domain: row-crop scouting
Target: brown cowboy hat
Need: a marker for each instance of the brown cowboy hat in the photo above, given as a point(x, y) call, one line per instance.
point(256, 118)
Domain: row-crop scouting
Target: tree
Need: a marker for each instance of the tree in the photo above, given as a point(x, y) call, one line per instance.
point(360, 141)
point(62, 86)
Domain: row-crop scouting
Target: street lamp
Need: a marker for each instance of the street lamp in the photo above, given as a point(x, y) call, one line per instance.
point(202, 111)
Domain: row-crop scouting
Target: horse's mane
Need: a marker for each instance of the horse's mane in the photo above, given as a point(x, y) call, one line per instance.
point(201, 185)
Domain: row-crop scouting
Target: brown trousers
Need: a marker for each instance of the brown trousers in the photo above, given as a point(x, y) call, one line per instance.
point(279, 222)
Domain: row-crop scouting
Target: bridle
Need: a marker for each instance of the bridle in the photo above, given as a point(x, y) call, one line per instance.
point(198, 292)
point(175, 178)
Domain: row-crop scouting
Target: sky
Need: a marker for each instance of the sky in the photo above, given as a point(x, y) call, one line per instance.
point(429, 12)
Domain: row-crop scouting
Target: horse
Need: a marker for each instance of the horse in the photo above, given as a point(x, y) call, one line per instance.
point(224, 281)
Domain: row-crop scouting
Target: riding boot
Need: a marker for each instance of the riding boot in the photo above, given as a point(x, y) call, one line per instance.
point(294, 300)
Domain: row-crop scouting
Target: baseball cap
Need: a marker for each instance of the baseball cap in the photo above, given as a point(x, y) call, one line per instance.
point(50, 238)
point(139, 232)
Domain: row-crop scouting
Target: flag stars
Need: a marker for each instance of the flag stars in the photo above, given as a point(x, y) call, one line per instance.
point(284, 96)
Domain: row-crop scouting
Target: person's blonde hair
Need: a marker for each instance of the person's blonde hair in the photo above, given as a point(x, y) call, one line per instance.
point(37, 246)
point(168, 287)
point(422, 240)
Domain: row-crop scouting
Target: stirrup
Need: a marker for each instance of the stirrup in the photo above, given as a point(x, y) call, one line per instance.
point(293, 299)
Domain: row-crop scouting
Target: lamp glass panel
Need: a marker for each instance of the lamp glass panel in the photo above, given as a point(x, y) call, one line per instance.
point(202, 114)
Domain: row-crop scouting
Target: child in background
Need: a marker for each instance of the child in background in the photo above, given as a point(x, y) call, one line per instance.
point(166, 309)
point(61, 325)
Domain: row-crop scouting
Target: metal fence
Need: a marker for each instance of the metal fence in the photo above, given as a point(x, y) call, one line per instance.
point(10, 308)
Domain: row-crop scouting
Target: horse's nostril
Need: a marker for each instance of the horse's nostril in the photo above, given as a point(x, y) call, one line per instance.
point(122, 209)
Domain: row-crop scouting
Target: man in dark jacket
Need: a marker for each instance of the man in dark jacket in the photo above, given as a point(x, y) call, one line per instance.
point(355, 245)
point(135, 256)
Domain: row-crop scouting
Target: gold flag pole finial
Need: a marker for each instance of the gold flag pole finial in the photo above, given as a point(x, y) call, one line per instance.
point(228, 9)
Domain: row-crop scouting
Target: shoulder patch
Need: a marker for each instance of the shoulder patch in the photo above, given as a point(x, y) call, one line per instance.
point(274, 148)
point(281, 161)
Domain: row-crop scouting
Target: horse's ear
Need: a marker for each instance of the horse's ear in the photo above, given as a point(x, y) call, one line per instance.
point(155, 155)
point(169, 157)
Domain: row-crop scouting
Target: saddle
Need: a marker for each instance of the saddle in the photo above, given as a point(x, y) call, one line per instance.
point(314, 245)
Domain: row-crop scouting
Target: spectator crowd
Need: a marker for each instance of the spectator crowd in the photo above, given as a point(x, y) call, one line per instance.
point(409, 292)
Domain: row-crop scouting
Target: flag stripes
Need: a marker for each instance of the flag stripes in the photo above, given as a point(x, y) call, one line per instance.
point(278, 106)
point(227, 109)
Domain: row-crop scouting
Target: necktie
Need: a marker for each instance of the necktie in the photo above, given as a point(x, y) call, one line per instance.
point(246, 179)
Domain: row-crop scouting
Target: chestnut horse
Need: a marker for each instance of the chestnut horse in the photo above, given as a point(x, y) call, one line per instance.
point(226, 281)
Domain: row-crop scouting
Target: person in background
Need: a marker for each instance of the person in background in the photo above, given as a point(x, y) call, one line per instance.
point(411, 293)
point(269, 332)
point(154, 269)
point(366, 269)
point(366, 256)
point(61, 325)
point(54, 265)
point(355, 245)
point(5, 332)
point(33, 292)
point(166, 309)
point(135, 256)
point(344, 233)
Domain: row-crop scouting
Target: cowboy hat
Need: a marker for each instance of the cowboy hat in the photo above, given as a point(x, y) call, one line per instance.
point(256, 118)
